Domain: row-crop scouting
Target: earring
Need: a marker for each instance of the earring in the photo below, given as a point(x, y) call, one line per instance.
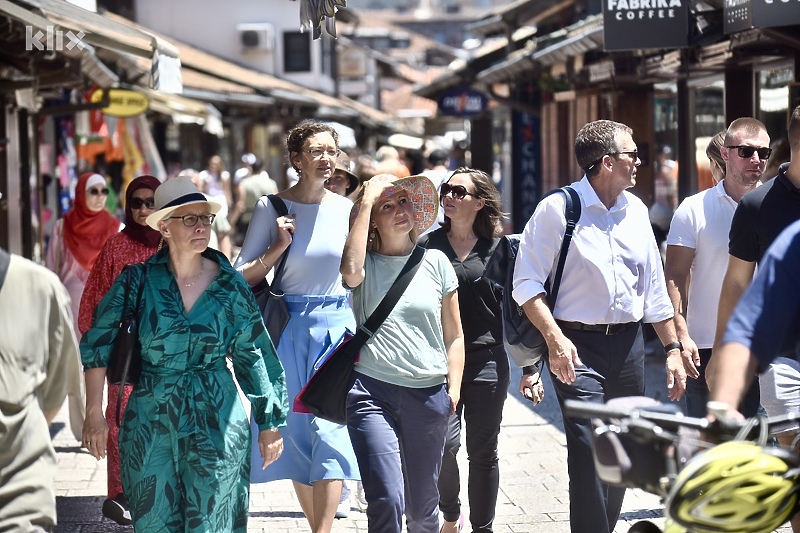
point(160, 244)
point(371, 236)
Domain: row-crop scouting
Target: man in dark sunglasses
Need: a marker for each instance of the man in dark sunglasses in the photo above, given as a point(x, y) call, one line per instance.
point(759, 218)
point(698, 244)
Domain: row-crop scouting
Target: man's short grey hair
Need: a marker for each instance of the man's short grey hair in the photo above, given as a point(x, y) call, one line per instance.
point(597, 139)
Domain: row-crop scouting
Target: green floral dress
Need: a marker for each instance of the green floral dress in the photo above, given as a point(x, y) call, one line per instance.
point(185, 439)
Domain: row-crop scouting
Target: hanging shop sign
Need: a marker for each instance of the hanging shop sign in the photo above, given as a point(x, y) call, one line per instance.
point(770, 13)
point(737, 15)
point(123, 103)
point(462, 102)
point(526, 167)
point(638, 24)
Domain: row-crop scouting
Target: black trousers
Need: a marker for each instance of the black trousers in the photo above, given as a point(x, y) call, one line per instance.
point(482, 408)
point(613, 367)
point(697, 392)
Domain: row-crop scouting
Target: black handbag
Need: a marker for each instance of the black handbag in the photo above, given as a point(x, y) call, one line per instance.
point(325, 394)
point(125, 363)
point(269, 298)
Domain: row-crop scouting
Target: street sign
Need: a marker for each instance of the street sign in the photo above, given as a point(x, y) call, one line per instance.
point(462, 102)
point(123, 103)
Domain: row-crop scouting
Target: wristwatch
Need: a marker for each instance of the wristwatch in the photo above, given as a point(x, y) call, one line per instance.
point(677, 345)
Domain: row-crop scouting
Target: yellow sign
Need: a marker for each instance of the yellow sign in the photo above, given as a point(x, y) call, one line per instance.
point(123, 103)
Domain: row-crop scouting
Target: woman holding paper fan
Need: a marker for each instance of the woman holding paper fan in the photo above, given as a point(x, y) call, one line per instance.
point(318, 454)
point(408, 377)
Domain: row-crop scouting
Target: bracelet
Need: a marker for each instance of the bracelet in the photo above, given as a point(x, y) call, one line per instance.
point(678, 345)
point(262, 263)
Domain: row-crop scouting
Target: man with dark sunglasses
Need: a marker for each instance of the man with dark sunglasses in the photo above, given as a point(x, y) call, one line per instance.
point(760, 217)
point(697, 247)
point(612, 282)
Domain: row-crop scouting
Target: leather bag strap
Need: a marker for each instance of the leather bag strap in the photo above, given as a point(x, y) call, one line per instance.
point(280, 207)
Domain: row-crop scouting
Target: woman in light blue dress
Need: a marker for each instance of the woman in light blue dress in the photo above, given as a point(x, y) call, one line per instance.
point(317, 454)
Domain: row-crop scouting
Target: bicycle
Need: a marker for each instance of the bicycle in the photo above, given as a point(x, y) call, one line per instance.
point(718, 477)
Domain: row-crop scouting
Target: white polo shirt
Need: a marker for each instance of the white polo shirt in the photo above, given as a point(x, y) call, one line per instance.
point(703, 222)
point(613, 272)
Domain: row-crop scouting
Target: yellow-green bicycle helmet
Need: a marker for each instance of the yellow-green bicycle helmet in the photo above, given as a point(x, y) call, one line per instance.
point(733, 487)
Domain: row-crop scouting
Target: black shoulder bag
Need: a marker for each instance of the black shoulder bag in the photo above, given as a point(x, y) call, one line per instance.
point(269, 298)
point(325, 394)
point(125, 363)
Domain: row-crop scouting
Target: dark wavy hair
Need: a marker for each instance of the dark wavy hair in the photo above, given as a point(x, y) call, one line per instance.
point(297, 136)
point(488, 221)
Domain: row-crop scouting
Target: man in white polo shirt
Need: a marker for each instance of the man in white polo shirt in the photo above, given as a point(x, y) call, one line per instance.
point(697, 255)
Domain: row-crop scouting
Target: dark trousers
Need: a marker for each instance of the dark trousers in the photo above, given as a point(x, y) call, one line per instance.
point(697, 392)
point(398, 437)
point(613, 367)
point(482, 406)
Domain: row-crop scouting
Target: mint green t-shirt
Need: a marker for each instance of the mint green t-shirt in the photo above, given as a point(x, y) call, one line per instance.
point(408, 349)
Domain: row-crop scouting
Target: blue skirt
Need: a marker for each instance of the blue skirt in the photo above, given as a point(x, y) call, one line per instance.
point(313, 449)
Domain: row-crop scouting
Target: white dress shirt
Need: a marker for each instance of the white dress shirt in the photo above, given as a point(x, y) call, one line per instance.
point(613, 272)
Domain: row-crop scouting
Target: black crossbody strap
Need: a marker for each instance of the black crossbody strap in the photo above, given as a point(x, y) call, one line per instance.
point(391, 298)
point(572, 213)
point(280, 207)
point(5, 259)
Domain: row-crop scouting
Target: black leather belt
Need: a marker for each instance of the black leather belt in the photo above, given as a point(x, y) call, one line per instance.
point(606, 329)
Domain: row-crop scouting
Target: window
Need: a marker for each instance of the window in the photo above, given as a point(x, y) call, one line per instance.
point(297, 51)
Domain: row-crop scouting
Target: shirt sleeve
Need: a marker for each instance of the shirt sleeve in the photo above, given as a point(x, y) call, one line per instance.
point(63, 365)
point(766, 318)
point(256, 364)
point(743, 239)
point(683, 228)
point(261, 233)
point(657, 305)
point(538, 248)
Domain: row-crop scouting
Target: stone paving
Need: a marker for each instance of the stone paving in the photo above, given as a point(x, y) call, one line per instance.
point(533, 488)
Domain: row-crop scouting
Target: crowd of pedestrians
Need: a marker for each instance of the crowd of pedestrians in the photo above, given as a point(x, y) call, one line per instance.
point(186, 449)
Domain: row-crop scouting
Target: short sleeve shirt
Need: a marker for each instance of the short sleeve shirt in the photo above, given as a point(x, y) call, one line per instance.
point(408, 349)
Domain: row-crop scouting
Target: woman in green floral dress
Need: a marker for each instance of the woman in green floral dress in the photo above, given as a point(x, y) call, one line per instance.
point(185, 437)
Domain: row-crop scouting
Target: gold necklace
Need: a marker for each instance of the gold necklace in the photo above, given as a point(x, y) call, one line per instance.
point(196, 279)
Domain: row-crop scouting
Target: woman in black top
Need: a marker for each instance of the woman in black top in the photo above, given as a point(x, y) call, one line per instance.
point(470, 233)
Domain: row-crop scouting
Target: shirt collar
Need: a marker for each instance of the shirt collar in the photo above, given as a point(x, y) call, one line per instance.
point(590, 197)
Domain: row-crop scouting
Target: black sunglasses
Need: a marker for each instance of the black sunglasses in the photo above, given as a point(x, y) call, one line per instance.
point(98, 192)
point(458, 191)
point(746, 152)
point(137, 203)
point(633, 154)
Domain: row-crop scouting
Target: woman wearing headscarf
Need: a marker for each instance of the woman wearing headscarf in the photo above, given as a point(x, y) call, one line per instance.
point(185, 438)
point(136, 243)
point(75, 243)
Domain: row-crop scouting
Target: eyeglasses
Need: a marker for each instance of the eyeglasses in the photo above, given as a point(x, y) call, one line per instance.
point(633, 154)
point(316, 154)
point(190, 221)
point(458, 191)
point(98, 192)
point(137, 203)
point(746, 152)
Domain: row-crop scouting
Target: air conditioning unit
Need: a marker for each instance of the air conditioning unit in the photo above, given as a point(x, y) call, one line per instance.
point(256, 37)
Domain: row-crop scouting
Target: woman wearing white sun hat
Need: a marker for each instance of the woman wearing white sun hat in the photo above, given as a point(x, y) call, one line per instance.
point(185, 432)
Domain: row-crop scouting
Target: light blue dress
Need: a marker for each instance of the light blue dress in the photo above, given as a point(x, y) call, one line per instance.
point(319, 307)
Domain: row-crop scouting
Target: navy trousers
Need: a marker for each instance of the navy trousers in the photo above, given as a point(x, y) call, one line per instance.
point(398, 437)
point(613, 367)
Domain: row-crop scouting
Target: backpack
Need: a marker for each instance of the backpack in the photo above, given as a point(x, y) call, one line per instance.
point(523, 342)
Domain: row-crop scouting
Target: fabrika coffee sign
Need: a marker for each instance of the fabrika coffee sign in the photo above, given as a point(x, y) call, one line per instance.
point(638, 24)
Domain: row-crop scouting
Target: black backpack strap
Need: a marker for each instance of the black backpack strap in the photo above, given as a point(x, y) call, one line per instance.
point(280, 207)
point(572, 213)
point(5, 260)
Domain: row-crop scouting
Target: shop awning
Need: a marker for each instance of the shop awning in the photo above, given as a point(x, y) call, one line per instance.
point(185, 110)
point(90, 30)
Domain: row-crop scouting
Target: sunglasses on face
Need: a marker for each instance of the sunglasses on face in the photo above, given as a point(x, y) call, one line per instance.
point(746, 152)
point(190, 221)
point(98, 192)
point(457, 191)
point(137, 203)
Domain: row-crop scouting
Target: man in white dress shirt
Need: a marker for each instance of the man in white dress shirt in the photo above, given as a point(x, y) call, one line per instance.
point(612, 282)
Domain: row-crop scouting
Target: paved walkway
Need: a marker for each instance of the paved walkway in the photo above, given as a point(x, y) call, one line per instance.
point(533, 492)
